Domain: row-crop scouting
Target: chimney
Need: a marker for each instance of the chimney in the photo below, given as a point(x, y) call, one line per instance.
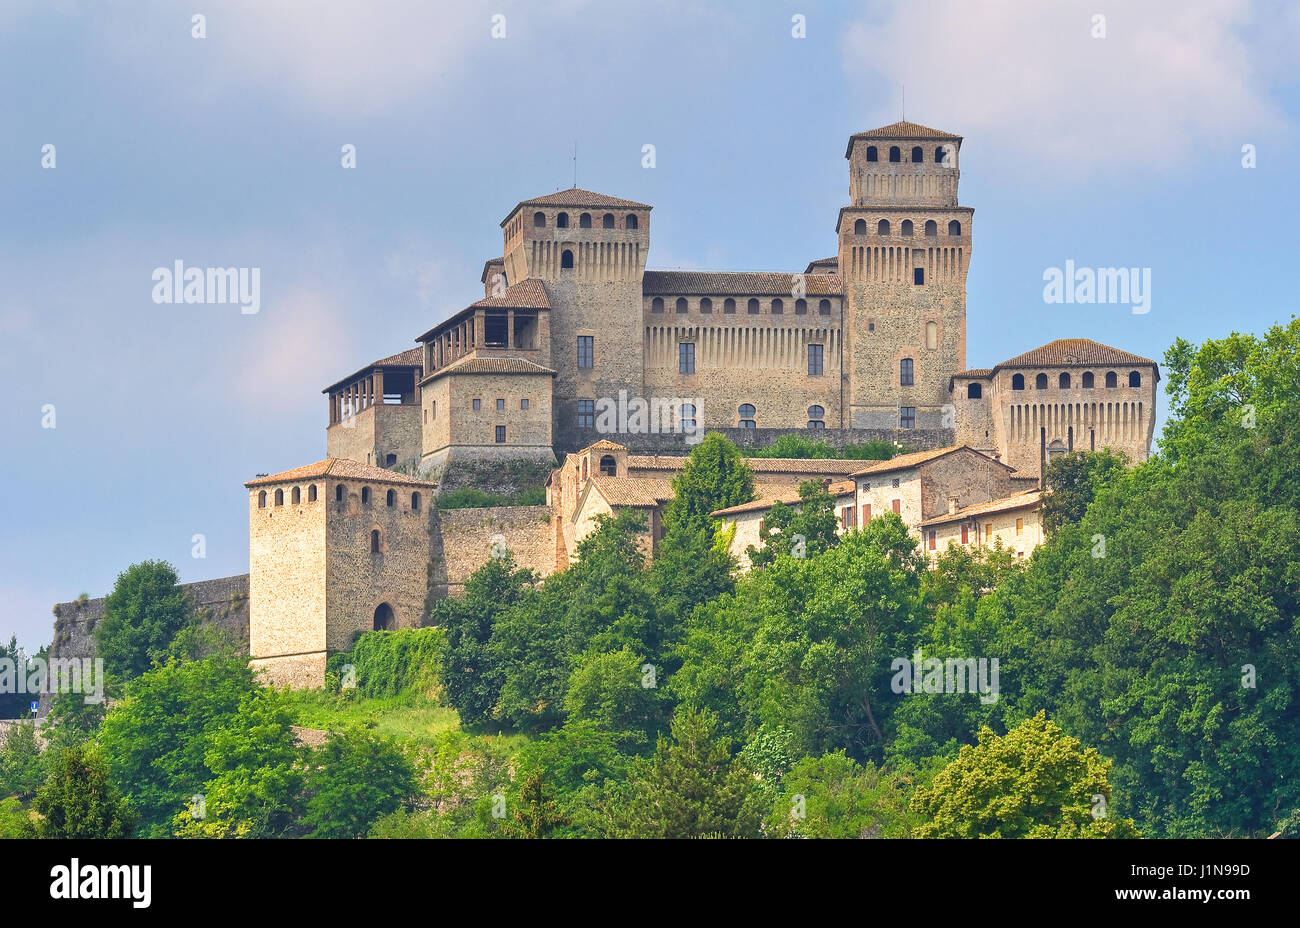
point(952, 505)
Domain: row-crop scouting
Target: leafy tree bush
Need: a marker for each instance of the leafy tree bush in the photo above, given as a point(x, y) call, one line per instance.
point(833, 797)
point(354, 779)
point(403, 662)
point(79, 800)
point(20, 761)
point(143, 613)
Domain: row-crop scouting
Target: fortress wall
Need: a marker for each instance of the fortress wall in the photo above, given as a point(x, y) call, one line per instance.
point(462, 542)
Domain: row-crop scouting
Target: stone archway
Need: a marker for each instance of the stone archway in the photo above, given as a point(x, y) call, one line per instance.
point(385, 619)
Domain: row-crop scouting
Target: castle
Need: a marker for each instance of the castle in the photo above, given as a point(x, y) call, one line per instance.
point(868, 343)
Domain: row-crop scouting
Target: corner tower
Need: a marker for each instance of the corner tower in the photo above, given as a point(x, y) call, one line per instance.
point(904, 249)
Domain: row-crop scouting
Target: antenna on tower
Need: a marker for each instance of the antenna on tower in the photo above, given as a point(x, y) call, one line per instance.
point(903, 106)
point(575, 164)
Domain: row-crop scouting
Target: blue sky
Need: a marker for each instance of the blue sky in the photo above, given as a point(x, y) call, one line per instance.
point(225, 151)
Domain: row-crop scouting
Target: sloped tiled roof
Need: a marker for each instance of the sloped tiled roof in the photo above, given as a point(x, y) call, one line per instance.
point(411, 357)
point(1068, 351)
point(491, 366)
point(811, 466)
point(842, 488)
point(1020, 500)
point(975, 372)
point(739, 283)
point(637, 492)
point(340, 468)
point(489, 263)
point(603, 445)
point(832, 262)
point(901, 130)
point(576, 196)
point(916, 458)
point(529, 293)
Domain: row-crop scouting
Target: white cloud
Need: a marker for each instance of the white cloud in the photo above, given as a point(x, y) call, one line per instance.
point(1171, 77)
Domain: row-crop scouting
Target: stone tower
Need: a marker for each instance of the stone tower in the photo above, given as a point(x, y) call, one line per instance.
point(904, 249)
point(589, 250)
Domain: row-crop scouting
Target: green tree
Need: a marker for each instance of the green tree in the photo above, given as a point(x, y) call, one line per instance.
point(16, 822)
point(611, 690)
point(20, 761)
point(714, 477)
point(812, 519)
point(143, 613)
point(1033, 782)
point(353, 780)
point(1072, 481)
point(833, 797)
point(79, 800)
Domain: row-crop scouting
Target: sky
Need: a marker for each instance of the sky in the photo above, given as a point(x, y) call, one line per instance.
point(1118, 149)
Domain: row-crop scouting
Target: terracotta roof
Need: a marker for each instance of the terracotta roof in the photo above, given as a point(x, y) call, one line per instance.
point(975, 372)
point(1030, 498)
point(637, 492)
point(576, 196)
point(411, 357)
point(488, 263)
point(842, 488)
point(603, 445)
point(1070, 351)
point(901, 130)
point(739, 283)
point(529, 293)
point(916, 458)
point(833, 262)
point(341, 468)
point(811, 466)
point(473, 365)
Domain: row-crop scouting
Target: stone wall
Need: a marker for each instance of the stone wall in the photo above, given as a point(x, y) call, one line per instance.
point(922, 439)
point(462, 542)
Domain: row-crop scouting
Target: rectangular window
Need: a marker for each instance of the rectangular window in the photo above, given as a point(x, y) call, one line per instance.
point(434, 415)
point(478, 404)
point(918, 275)
point(686, 358)
point(907, 417)
point(814, 360)
point(965, 534)
point(523, 404)
point(866, 513)
point(905, 372)
point(426, 415)
point(1020, 527)
point(934, 536)
point(586, 350)
point(501, 434)
point(586, 414)
point(846, 517)
point(501, 405)
point(898, 507)
point(988, 532)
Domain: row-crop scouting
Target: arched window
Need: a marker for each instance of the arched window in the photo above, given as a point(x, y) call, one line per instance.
point(584, 221)
point(681, 304)
point(746, 412)
point(907, 227)
point(824, 308)
point(279, 497)
point(954, 228)
point(566, 259)
point(905, 372)
point(607, 465)
point(687, 416)
point(295, 496)
point(974, 391)
point(384, 618)
point(931, 228)
point(657, 305)
point(752, 307)
point(338, 493)
point(872, 153)
point(860, 227)
point(562, 221)
point(816, 417)
point(729, 306)
point(882, 227)
point(261, 500)
point(607, 221)
point(1087, 380)
point(918, 156)
point(539, 220)
point(1063, 381)
point(584, 469)
point(1111, 379)
point(365, 496)
point(939, 155)
point(706, 305)
point(1017, 381)
point(778, 307)
point(1134, 379)
point(311, 493)
point(629, 222)
point(390, 498)
point(895, 154)
point(932, 335)
point(1040, 382)
point(801, 307)
point(415, 501)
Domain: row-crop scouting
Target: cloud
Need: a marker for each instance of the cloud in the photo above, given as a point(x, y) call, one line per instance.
point(1170, 78)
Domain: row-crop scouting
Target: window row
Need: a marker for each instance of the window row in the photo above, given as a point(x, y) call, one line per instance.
point(848, 515)
point(476, 404)
point(584, 221)
point(746, 413)
point(1063, 381)
point(753, 307)
point(340, 494)
point(906, 229)
point(918, 154)
point(686, 359)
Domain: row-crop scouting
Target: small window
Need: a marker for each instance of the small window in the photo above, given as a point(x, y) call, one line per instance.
point(390, 499)
point(390, 460)
point(584, 221)
point(1063, 382)
point(477, 404)
point(434, 408)
point(1020, 527)
point(261, 500)
point(918, 156)
point(365, 496)
point(657, 305)
point(566, 259)
point(894, 483)
point(1134, 379)
point(860, 227)
point(746, 412)
point(607, 221)
point(311, 493)
point(801, 307)
point(824, 308)
point(932, 539)
point(1040, 382)
point(846, 517)
point(729, 306)
point(706, 305)
point(897, 507)
point(965, 534)
point(905, 373)
point(681, 305)
point(629, 222)
point(608, 467)
point(939, 159)
point(816, 417)
point(866, 513)
point(1111, 379)
point(296, 496)
point(586, 351)
point(501, 405)
point(586, 414)
point(954, 228)
point(974, 391)
point(539, 220)
point(279, 497)
point(815, 361)
point(932, 335)
point(931, 228)
point(562, 221)
point(1087, 380)
point(872, 153)
point(374, 541)
point(686, 415)
point(686, 358)
point(778, 307)
point(338, 493)
point(1017, 381)
point(523, 404)
point(501, 434)
point(882, 227)
point(906, 228)
point(871, 327)
point(752, 307)
point(415, 501)
point(907, 417)
point(895, 154)
point(918, 275)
